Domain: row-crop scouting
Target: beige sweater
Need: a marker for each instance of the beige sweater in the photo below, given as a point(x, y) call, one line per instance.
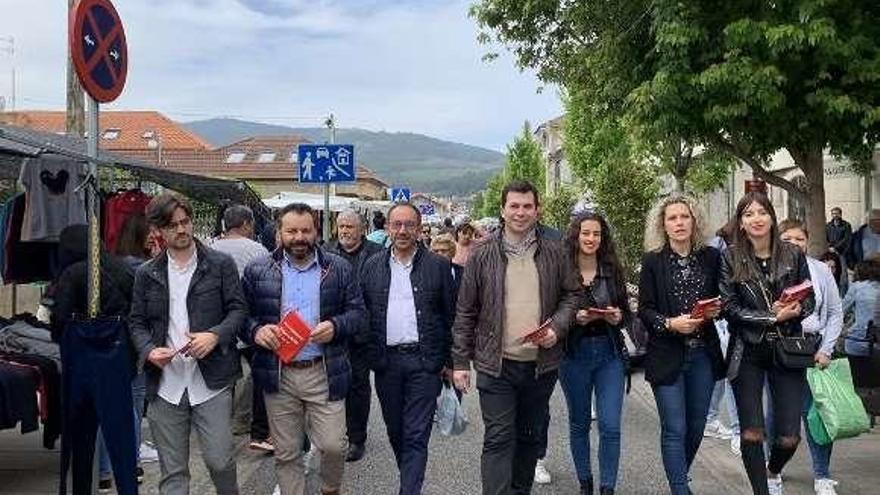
point(522, 306)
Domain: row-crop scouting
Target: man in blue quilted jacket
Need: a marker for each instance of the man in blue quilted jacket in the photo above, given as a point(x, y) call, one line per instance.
point(321, 287)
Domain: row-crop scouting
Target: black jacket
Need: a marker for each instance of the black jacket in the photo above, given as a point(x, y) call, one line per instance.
point(70, 290)
point(340, 301)
point(856, 252)
point(605, 281)
point(215, 303)
point(666, 349)
point(432, 285)
point(748, 314)
point(358, 257)
point(839, 236)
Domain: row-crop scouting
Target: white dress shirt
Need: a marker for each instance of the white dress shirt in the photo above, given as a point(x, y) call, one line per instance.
point(182, 374)
point(400, 320)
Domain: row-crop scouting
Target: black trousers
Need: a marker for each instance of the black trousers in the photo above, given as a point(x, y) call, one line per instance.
point(259, 418)
point(357, 403)
point(97, 373)
point(408, 396)
point(515, 408)
point(786, 393)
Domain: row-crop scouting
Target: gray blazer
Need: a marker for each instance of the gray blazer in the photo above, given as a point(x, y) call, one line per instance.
point(215, 303)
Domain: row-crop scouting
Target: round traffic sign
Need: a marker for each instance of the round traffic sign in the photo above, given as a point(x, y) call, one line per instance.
point(98, 49)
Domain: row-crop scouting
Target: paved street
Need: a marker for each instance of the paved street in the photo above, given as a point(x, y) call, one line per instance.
point(453, 468)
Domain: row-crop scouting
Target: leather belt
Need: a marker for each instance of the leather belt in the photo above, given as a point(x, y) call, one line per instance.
point(308, 363)
point(694, 343)
point(408, 348)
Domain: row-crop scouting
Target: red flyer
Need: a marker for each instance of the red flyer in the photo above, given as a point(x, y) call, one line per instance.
point(534, 336)
point(599, 311)
point(294, 334)
point(797, 293)
point(699, 311)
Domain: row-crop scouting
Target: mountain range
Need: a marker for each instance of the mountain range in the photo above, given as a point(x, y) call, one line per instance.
point(420, 162)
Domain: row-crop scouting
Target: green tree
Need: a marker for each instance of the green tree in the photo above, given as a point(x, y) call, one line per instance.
point(477, 204)
point(742, 77)
point(556, 207)
point(492, 196)
point(524, 160)
point(621, 179)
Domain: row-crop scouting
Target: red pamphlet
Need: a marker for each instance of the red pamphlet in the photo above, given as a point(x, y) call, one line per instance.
point(702, 305)
point(599, 311)
point(294, 334)
point(534, 336)
point(183, 350)
point(797, 292)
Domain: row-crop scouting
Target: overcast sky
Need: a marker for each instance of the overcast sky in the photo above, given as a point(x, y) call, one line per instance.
point(394, 65)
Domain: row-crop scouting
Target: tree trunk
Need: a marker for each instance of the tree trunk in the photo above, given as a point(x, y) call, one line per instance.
point(812, 165)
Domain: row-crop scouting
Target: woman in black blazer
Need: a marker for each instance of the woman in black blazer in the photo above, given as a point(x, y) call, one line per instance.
point(684, 358)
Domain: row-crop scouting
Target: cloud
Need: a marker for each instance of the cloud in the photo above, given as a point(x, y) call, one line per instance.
point(378, 64)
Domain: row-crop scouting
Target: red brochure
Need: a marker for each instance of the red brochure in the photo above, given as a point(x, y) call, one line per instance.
point(534, 336)
point(294, 334)
point(599, 311)
point(797, 292)
point(702, 305)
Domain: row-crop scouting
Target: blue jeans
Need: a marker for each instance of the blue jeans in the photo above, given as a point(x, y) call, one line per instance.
point(683, 406)
point(722, 395)
point(594, 366)
point(138, 395)
point(821, 454)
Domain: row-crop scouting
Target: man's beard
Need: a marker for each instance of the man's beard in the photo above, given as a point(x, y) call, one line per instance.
point(306, 251)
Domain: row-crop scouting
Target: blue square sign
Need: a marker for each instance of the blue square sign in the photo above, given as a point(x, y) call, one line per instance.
point(324, 163)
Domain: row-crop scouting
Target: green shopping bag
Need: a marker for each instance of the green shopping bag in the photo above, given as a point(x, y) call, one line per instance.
point(815, 426)
point(835, 399)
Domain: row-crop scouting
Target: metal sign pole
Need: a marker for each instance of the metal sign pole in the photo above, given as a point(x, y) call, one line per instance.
point(331, 123)
point(94, 211)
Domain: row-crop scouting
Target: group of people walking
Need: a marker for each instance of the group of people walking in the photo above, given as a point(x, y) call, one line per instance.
point(521, 310)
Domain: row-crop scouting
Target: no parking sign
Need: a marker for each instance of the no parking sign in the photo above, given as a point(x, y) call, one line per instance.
point(98, 48)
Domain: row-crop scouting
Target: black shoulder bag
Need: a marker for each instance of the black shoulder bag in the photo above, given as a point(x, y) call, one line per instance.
point(796, 352)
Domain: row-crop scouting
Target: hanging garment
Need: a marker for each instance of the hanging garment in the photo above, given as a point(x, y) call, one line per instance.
point(26, 262)
point(18, 396)
point(48, 391)
point(97, 390)
point(117, 209)
point(52, 202)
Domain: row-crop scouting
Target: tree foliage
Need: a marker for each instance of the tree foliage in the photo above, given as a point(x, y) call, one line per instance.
point(556, 207)
point(524, 162)
point(621, 179)
point(741, 77)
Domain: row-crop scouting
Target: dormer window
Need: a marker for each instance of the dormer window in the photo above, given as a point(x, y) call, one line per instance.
point(235, 157)
point(111, 134)
point(266, 157)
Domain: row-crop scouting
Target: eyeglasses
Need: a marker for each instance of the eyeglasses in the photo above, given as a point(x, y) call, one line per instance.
point(405, 225)
point(183, 222)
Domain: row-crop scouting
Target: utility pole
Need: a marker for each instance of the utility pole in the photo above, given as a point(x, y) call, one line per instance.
point(331, 125)
point(9, 48)
point(75, 123)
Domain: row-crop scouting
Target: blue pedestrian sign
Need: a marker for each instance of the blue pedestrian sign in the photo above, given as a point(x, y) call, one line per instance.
point(400, 195)
point(324, 163)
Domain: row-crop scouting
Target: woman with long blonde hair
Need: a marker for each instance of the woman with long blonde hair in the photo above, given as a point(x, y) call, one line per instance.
point(679, 277)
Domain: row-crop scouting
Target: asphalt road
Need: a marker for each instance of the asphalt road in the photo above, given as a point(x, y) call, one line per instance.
point(454, 463)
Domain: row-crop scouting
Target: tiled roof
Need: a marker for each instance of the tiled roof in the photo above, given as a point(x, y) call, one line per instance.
point(134, 128)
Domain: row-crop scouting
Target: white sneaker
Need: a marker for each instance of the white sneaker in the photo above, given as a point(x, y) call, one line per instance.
point(277, 490)
point(307, 459)
point(542, 476)
point(825, 486)
point(148, 453)
point(714, 429)
point(735, 445)
point(774, 485)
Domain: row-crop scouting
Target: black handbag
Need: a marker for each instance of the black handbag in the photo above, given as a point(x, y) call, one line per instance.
point(797, 353)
